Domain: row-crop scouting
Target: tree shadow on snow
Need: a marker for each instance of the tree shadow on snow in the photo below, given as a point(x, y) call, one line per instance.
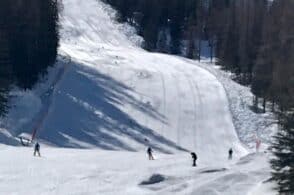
point(86, 114)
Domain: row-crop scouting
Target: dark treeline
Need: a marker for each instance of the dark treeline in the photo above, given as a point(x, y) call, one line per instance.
point(254, 39)
point(28, 43)
point(164, 24)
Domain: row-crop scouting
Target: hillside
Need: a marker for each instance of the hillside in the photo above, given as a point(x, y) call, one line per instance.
point(111, 98)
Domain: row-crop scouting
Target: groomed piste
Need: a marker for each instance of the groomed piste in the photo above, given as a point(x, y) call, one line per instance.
point(107, 100)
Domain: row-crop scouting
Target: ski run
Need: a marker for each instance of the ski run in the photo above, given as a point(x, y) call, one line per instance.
point(107, 100)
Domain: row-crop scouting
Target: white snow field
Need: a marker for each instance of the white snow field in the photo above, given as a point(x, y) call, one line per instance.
point(106, 101)
point(73, 171)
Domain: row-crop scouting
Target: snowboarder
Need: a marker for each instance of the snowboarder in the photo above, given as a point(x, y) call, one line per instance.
point(37, 149)
point(194, 157)
point(150, 155)
point(230, 153)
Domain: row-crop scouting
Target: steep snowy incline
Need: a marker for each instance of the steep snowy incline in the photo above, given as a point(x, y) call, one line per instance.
point(118, 96)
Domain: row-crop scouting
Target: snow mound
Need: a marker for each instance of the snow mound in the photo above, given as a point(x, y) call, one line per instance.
point(154, 179)
point(214, 170)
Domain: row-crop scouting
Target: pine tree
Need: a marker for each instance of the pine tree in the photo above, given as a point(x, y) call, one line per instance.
point(33, 40)
point(283, 161)
point(28, 43)
point(5, 59)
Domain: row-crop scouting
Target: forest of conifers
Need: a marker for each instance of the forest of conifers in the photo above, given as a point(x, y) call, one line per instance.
point(28, 43)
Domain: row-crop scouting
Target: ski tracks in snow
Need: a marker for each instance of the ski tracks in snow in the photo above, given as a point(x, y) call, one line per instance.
point(181, 78)
point(161, 75)
point(176, 81)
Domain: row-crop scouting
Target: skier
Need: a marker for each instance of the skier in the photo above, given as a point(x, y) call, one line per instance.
point(230, 154)
point(37, 149)
point(150, 155)
point(194, 157)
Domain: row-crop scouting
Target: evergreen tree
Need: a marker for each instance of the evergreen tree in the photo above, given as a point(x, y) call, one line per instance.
point(283, 161)
point(28, 43)
point(5, 58)
point(34, 40)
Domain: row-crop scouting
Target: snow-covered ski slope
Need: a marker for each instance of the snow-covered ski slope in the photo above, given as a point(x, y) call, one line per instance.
point(115, 99)
point(101, 172)
point(117, 96)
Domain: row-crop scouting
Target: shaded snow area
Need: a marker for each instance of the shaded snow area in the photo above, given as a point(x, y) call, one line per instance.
point(107, 100)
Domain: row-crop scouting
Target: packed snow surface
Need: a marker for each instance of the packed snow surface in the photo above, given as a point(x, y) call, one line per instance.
point(117, 96)
point(72, 171)
point(107, 100)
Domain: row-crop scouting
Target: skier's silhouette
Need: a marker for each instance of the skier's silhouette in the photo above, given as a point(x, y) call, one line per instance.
point(150, 155)
point(194, 157)
point(37, 149)
point(230, 153)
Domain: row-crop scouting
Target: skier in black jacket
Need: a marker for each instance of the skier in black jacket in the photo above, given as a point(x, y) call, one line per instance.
point(230, 154)
point(194, 157)
point(37, 149)
point(150, 155)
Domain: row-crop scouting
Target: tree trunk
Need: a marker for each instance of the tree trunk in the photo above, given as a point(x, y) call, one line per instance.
point(273, 106)
point(255, 103)
point(264, 104)
point(211, 53)
point(199, 49)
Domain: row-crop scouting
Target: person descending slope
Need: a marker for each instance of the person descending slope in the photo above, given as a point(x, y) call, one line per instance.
point(194, 157)
point(149, 152)
point(37, 149)
point(230, 154)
